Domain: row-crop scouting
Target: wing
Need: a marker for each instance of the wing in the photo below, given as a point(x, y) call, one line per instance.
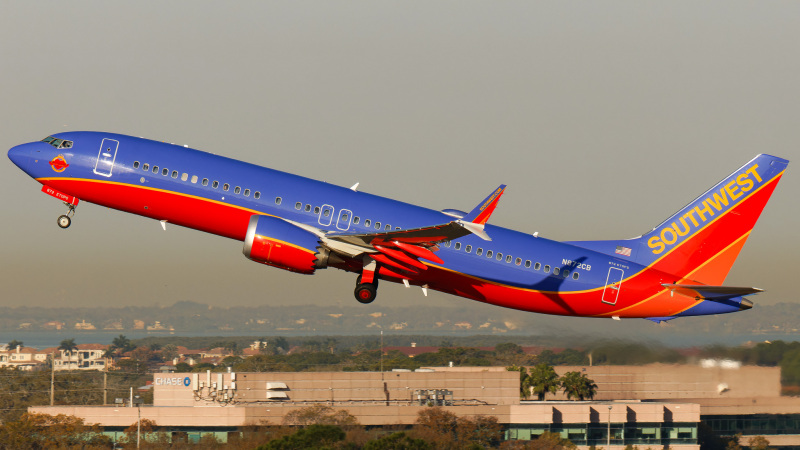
point(401, 249)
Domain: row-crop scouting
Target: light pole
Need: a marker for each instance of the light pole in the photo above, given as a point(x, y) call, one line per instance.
point(608, 431)
point(138, 402)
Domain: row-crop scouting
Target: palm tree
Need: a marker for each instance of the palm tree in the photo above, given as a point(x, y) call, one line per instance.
point(122, 343)
point(544, 379)
point(68, 346)
point(578, 385)
point(524, 381)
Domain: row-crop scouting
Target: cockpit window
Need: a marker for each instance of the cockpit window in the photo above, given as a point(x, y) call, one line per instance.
point(57, 143)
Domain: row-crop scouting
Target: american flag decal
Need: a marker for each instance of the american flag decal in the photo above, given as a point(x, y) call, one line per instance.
point(624, 251)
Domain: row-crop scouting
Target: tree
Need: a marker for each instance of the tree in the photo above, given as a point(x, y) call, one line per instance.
point(524, 381)
point(578, 385)
point(68, 346)
point(543, 379)
point(313, 436)
point(122, 343)
point(319, 415)
point(14, 344)
point(758, 443)
point(281, 344)
point(46, 431)
point(397, 441)
point(169, 352)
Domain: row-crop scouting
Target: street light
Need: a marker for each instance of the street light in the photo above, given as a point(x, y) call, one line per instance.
point(608, 431)
point(138, 402)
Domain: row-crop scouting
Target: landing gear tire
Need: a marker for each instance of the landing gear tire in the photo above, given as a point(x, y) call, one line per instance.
point(365, 292)
point(64, 221)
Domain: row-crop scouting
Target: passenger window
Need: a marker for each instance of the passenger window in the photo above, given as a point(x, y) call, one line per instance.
point(257, 195)
point(377, 225)
point(546, 268)
point(396, 228)
point(184, 177)
point(499, 256)
point(387, 228)
point(145, 167)
point(508, 258)
point(479, 251)
point(326, 213)
point(308, 207)
point(155, 169)
point(215, 184)
point(136, 164)
point(237, 189)
point(247, 192)
point(468, 249)
point(537, 266)
point(298, 205)
point(278, 200)
point(174, 174)
point(489, 253)
point(356, 219)
point(344, 217)
point(194, 179)
point(518, 261)
point(457, 246)
point(556, 270)
point(447, 244)
point(316, 210)
point(575, 275)
point(225, 187)
point(527, 263)
point(367, 223)
point(565, 273)
point(165, 172)
point(205, 181)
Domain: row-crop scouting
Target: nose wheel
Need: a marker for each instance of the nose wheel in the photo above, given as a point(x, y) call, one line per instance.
point(64, 221)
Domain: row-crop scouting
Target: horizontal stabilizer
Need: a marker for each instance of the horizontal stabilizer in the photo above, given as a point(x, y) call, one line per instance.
point(701, 292)
point(660, 319)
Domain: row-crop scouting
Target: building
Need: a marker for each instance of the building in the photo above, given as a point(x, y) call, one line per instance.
point(85, 357)
point(22, 358)
point(192, 404)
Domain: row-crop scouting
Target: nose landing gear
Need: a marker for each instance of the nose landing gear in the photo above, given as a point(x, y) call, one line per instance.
point(64, 221)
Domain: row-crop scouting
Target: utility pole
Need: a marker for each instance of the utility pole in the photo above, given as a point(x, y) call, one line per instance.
point(105, 383)
point(52, 377)
point(608, 431)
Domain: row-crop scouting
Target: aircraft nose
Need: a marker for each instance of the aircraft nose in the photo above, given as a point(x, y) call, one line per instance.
point(19, 154)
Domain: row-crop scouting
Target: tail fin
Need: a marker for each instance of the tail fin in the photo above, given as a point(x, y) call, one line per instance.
point(701, 241)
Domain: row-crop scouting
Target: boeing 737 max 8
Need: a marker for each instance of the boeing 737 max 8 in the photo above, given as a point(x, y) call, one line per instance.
point(302, 225)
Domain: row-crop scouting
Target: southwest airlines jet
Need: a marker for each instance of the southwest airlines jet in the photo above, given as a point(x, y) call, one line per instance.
point(302, 225)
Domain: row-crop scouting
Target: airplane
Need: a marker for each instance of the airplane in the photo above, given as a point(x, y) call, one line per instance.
point(302, 225)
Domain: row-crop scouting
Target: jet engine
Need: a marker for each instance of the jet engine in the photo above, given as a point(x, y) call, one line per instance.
point(277, 243)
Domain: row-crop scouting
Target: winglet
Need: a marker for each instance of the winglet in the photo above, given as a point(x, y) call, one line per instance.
point(480, 215)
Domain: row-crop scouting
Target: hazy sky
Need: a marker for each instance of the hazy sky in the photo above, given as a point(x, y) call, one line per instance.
point(602, 117)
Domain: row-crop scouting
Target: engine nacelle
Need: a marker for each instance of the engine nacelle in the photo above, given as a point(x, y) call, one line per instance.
point(277, 243)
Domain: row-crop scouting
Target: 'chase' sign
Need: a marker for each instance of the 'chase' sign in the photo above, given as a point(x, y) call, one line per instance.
point(173, 381)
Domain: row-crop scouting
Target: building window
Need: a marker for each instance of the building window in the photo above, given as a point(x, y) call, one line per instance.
point(136, 164)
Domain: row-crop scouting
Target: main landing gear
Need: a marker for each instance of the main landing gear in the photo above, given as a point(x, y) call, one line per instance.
point(64, 221)
point(367, 283)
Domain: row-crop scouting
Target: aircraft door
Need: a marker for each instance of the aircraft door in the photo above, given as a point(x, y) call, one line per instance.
point(345, 216)
point(613, 284)
point(326, 215)
point(106, 157)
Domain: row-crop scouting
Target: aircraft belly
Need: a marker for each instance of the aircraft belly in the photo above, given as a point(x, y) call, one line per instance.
point(193, 212)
